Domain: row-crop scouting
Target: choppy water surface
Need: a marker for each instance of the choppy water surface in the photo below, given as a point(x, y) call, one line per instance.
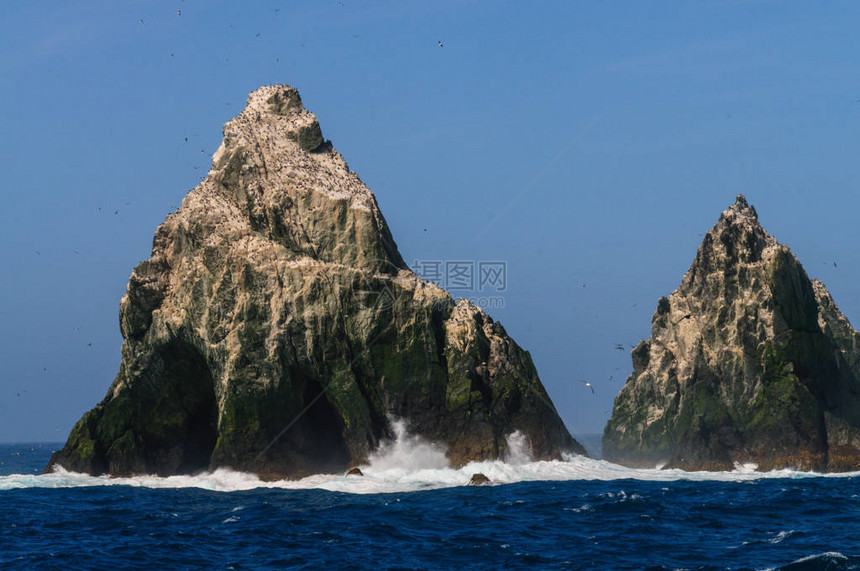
point(410, 511)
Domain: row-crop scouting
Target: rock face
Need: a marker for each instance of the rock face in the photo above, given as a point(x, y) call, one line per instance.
point(749, 361)
point(276, 329)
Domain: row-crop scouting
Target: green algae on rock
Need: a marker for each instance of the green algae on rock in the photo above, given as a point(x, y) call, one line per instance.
point(749, 361)
point(276, 329)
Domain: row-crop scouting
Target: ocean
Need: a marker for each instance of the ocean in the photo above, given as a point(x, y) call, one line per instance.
point(410, 511)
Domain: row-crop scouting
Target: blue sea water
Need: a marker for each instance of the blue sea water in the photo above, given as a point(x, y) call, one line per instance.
point(577, 514)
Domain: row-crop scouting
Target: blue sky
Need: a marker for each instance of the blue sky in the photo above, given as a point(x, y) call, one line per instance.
point(582, 143)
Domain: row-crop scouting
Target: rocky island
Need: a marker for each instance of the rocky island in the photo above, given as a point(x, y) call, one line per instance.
point(276, 329)
point(749, 361)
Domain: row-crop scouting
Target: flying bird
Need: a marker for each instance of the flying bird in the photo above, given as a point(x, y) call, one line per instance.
point(619, 346)
point(587, 384)
point(440, 44)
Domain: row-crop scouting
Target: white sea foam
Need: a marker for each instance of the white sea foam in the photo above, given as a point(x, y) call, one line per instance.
point(410, 463)
point(829, 557)
point(781, 536)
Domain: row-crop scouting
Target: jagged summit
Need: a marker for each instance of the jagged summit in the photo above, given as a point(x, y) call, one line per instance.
point(276, 167)
point(281, 99)
point(736, 241)
point(745, 218)
point(741, 209)
point(276, 329)
point(748, 361)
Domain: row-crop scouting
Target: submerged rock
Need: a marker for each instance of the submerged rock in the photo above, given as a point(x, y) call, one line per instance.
point(276, 329)
point(749, 361)
point(479, 480)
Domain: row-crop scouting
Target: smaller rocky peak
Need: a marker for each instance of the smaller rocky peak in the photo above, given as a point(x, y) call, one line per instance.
point(749, 361)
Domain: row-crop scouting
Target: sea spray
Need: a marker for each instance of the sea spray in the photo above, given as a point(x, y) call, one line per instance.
point(409, 463)
point(519, 449)
point(406, 452)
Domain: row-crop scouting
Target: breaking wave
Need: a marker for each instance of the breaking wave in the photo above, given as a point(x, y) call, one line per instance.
point(409, 463)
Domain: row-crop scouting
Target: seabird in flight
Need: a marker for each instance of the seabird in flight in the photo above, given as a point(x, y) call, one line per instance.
point(587, 384)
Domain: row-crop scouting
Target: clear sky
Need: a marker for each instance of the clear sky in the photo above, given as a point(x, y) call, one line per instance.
point(586, 144)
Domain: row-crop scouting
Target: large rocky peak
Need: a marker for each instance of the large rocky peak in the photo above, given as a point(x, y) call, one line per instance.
point(276, 329)
point(749, 361)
